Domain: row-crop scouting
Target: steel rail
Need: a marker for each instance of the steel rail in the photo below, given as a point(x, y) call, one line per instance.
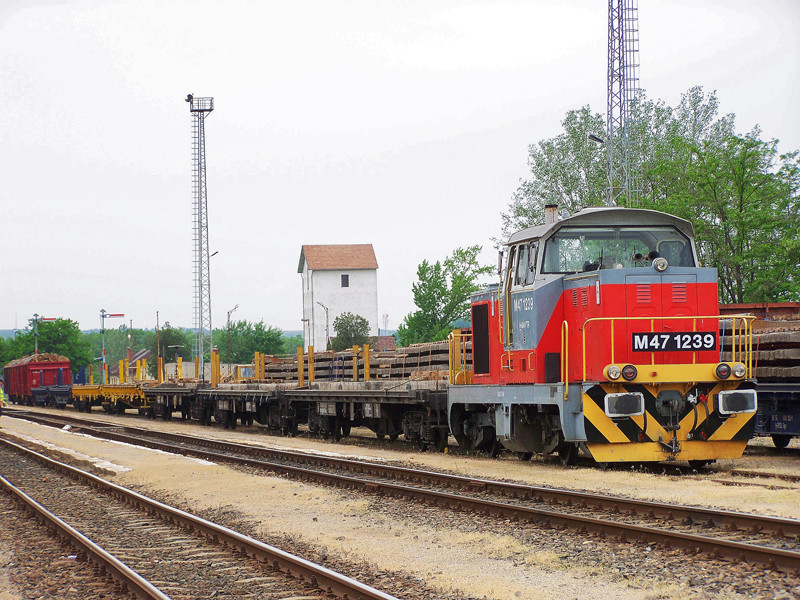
point(689, 514)
point(322, 577)
point(773, 558)
point(130, 581)
point(617, 504)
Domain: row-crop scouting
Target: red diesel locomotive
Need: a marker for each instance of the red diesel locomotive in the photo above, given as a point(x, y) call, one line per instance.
point(604, 335)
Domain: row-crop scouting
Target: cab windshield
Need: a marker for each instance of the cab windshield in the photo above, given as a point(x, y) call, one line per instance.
point(575, 249)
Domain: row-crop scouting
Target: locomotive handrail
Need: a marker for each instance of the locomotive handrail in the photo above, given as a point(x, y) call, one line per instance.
point(565, 358)
point(457, 345)
point(745, 346)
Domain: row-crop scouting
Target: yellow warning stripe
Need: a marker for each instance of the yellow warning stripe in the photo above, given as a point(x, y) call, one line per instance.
point(654, 428)
point(732, 426)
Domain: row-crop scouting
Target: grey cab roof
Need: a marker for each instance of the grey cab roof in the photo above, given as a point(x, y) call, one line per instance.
point(604, 215)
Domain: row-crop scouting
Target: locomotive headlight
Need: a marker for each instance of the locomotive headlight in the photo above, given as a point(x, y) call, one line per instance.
point(739, 370)
point(723, 371)
point(660, 264)
point(629, 372)
point(613, 372)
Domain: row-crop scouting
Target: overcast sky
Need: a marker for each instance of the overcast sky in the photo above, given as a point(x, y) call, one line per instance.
point(400, 124)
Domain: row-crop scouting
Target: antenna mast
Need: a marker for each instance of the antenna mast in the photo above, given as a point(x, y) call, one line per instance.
point(200, 108)
point(623, 95)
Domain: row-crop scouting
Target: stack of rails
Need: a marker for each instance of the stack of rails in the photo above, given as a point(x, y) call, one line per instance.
point(417, 362)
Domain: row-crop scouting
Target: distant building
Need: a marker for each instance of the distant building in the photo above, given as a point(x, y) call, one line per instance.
point(337, 279)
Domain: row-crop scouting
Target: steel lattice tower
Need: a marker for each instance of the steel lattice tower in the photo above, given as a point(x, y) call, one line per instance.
point(199, 109)
point(623, 94)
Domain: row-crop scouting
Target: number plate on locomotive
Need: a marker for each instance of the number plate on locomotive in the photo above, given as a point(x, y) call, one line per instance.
point(690, 341)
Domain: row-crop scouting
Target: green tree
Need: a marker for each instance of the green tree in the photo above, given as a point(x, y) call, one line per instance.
point(739, 194)
point(246, 339)
point(351, 330)
point(291, 344)
point(119, 340)
point(62, 337)
point(441, 294)
point(181, 341)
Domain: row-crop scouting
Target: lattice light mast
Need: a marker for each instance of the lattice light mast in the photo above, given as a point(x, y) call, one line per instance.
point(623, 94)
point(199, 109)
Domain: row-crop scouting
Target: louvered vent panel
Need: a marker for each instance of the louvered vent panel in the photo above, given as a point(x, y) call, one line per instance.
point(679, 292)
point(574, 297)
point(584, 297)
point(643, 293)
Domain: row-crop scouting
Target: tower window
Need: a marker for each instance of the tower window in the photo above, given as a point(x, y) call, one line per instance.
point(345, 280)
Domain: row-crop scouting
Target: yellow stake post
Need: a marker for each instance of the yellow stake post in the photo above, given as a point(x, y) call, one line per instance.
point(366, 362)
point(311, 364)
point(301, 381)
point(179, 368)
point(355, 363)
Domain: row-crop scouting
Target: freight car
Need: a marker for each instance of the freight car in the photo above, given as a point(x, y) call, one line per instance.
point(776, 358)
point(41, 378)
point(604, 335)
point(779, 412)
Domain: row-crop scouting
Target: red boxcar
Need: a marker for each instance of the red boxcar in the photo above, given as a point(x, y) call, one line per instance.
point(22, 375)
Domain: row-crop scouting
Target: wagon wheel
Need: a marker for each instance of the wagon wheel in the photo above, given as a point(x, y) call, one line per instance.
point(441, 441)
point(781, 440)
point(524, 456)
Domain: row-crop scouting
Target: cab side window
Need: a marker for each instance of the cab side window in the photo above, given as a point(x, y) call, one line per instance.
point(533, 254)
point(523, 264)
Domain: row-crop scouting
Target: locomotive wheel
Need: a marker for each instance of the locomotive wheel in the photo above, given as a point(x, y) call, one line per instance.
point(441, 441)
point(524, 456)
point(568, 454)
point(423, 445)
point(493, 448)
point(781, 440)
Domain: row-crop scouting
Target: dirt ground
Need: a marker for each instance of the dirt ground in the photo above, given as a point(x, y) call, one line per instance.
point(478, 564)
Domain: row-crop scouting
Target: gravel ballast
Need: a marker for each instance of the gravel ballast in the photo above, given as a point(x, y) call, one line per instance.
point(463, 555)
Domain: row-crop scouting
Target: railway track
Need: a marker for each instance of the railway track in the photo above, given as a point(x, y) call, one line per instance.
point(157, 552)
point(372, 442)
point(768, 541)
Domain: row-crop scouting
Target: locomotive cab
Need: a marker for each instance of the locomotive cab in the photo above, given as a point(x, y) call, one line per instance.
point(604, 334)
